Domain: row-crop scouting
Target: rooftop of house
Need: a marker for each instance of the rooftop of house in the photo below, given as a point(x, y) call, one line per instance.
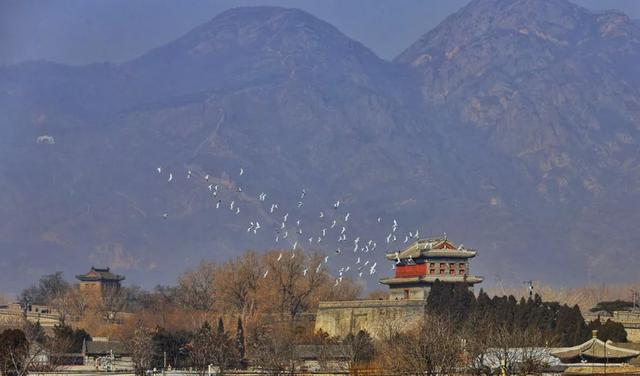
point(99, 274)
point(101, 347)
point(595, 349)
point(433, 247)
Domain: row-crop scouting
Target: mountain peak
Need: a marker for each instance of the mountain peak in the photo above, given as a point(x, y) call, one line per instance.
point(254, 46)
point(274, 30)
point(557, 23)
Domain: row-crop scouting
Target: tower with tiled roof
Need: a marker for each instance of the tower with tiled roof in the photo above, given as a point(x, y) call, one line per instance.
point(423, 262)
point(98, 280)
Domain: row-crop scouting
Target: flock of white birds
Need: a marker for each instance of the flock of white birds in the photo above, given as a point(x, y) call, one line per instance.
point(284, 226)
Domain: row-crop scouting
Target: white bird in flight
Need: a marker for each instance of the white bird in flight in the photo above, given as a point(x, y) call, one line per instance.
point(241, 171)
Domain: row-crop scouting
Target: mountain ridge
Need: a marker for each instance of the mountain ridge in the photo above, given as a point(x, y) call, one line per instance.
point(304, 106)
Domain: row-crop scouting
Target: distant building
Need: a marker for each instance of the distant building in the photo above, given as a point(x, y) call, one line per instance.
point(106, 355)
point(417, 267)
point(426, 260)
point(631, 322)
point(12, 314)
point(98, 280)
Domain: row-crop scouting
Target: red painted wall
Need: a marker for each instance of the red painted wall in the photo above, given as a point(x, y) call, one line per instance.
point(416, 270)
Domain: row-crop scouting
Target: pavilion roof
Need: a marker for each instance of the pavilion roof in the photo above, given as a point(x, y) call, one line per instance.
point(433, 247)
point(595, 349)
point(99, 274)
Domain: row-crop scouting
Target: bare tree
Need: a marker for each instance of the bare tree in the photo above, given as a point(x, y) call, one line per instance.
point(213, 347)
point(203, 346)
point(358, 349)
point(287, 289)
point(433, 348)
point(196, 288)
point(64, 305)
point(477, 335)
point(112, 302)
point(140, 344)
point(347, 289)
point(273, 348)
point(237, 284)
point(519, 351)
point(48, 288)
point(77, 301)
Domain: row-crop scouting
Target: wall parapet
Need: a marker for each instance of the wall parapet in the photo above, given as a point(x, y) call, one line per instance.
point(372, 303)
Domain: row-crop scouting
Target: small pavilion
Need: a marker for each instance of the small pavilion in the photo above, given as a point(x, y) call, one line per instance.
point(597, 357)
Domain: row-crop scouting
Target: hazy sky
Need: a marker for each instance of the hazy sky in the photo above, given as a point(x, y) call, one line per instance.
point(82, 31)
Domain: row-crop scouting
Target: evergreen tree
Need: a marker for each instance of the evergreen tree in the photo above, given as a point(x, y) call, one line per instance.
point(220, 331)
point(240, 347)
point(75, 338)
point(610, 330)
point(173, 344)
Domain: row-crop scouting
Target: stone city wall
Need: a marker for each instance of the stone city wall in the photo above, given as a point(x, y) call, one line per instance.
point(374, 316)
point(631, 322)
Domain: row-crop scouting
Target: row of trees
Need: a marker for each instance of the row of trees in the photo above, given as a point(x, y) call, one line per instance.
point(265, 297)
point(249, 286)
point(558, 323)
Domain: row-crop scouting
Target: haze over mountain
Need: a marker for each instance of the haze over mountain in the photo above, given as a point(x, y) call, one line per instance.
point(513, 126)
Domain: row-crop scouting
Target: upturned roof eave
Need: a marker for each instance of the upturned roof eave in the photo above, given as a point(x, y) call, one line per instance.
point(591, 349)
point(85, 278)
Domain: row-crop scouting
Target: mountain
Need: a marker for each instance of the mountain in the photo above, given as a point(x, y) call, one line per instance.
point(554, 88)
point(549, 83)
point(512, 126)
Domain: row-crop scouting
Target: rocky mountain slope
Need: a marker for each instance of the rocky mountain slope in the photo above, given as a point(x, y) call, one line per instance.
point(512, 126)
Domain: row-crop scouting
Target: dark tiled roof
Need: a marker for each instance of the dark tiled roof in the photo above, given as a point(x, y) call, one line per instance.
point(104, 348)
point(432, 248)
point(100, 274)
point(311, 352)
